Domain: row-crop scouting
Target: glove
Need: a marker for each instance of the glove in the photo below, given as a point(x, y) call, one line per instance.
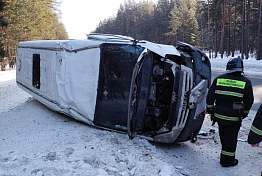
point(211, 112)
point(212, 117)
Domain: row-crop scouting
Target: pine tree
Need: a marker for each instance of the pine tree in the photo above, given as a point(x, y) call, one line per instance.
point(184, 22)
point(162, 20)
point(31, 20)
point(3, 24)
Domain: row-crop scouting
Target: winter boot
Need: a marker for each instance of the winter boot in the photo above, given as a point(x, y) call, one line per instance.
point(229, 163)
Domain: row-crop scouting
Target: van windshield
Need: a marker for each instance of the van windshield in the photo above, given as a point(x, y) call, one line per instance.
point(116, 68)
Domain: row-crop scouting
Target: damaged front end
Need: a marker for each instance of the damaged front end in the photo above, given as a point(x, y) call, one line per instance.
point(164, 96)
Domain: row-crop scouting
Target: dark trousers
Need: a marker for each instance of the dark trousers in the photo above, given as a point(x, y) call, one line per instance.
point(228, 137)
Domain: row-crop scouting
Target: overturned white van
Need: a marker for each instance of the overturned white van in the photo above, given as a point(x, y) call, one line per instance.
point(114, 82)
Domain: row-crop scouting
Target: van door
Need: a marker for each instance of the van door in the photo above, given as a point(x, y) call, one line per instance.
point(139, 93)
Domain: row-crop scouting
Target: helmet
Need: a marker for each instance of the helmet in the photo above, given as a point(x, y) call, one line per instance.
point(235, 65)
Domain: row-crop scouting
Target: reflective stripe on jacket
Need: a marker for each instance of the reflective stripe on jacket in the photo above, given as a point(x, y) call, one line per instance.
point(255, 133)
point(224, 91)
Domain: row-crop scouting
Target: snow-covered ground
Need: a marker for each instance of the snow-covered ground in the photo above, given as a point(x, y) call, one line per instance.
point(252, 67)
point(35, 140)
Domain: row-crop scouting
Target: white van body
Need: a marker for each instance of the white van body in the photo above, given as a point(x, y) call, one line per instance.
point(64, 75)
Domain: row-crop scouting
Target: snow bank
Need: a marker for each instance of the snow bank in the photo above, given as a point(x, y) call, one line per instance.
point(35, 140)
point(10, 95)
point(251, 67)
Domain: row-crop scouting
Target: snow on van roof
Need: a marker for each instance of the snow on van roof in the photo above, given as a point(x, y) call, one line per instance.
point(160, 49)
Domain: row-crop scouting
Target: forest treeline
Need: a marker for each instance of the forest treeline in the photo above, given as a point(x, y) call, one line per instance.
point(219, 26)
point(24, 20)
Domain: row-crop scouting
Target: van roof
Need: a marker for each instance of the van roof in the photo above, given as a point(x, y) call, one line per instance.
point(95, 41)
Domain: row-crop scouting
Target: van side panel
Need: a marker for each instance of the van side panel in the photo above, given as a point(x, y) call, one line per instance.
point(24, 70)
point(78, 80)
point(31, 70)
point(68, 80)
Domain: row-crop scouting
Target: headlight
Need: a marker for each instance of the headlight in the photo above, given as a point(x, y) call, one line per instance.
point(197, 93)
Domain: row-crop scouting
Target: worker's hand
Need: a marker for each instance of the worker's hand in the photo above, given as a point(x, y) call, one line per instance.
point(212, 117)
point(255, 145)
point(211, 112)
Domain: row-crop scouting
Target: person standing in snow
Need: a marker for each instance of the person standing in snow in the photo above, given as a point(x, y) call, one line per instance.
point(229, 100)
point(255, 133)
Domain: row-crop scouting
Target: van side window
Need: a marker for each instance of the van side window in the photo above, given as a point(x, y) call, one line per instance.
point(36, 71)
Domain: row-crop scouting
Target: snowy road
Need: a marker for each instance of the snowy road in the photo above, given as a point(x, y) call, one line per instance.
point(35, 140)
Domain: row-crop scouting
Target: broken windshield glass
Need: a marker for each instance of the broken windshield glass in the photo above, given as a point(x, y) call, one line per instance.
point(116, 68)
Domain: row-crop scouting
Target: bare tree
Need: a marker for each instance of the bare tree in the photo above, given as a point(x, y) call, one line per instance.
point(229, 27)
point(222, 41)
point(243, 28)
point(259, 33)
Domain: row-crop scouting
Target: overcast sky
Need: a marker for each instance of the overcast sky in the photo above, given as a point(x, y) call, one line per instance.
point(80, 17)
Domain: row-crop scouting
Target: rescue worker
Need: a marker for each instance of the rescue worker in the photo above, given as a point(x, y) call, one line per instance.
point(255, 133)
point(229, 100)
